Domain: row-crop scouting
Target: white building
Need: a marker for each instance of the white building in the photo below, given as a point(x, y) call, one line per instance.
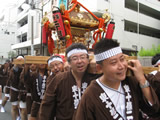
point(25, 26)
point(7, 32)
point(137, 22)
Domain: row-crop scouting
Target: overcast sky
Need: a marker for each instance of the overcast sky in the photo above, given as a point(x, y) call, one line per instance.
point(5, 7)
point(4, 4)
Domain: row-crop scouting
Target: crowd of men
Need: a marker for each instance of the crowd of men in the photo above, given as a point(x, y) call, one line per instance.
point(64, 89)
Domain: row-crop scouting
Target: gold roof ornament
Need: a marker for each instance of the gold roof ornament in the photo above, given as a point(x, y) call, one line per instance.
point(106, 16)
point(45, 18)
point(62, 8)
point(60, 48)
point(82, 19)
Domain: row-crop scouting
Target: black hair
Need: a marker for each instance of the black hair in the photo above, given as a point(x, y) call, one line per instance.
point(20, 55)
point(155, 59)
point(104, 45)
point(75, 46)
point(90, 50)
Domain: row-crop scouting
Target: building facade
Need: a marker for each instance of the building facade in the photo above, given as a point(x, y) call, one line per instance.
point(28, 27)
point(137, 22)
point(7, 33)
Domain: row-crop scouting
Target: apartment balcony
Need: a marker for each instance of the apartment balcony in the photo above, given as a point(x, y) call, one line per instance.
point(139, 40)
point(25, 44)
point(142, 19)
point(21, 16)
point(22, 30)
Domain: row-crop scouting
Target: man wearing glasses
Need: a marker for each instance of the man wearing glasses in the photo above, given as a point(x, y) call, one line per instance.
point(56, 65)
point(65, 89)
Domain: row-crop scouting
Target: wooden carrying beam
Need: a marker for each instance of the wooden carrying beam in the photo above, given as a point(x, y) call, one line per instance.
point(18, 61)
point(36, 59)
point(131, 58)
point(148, 70)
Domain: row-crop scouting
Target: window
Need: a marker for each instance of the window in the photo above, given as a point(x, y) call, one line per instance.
point(144, 30)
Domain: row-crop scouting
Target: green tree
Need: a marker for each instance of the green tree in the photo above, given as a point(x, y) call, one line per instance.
point(149, 52)
point(11, 54)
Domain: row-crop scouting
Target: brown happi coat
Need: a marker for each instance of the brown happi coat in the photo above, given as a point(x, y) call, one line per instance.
point(91, 106)
point(22, 88)
point(4, 75)
point(14, 78)
point(50, 77)
point(154, 80)
point(61, 97)
point(31, 84)
point(26, 73)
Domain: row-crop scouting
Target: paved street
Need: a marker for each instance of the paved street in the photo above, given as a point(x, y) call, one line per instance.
point(7, 114)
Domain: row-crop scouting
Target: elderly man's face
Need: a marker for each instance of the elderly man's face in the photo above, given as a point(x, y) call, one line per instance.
point(56, 67)
point(79, 62)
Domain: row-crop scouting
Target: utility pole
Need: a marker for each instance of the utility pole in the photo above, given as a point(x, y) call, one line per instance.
point(42, 47)
point(32, 37)
point(32, 6)
point(138, 23)
point(32, 30)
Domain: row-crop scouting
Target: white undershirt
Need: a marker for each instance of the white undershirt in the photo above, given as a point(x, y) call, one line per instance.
point(153, 72)
point(117, 99)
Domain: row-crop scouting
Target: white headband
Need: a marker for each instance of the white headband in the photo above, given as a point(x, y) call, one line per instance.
point(54, 59)
point(19, 57)
point(77, 50)
point(108, 54)
point(157, 63)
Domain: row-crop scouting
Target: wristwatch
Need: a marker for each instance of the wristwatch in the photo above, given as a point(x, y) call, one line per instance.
point(146, 84)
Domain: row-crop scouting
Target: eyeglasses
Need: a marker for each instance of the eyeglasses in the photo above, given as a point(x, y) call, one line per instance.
point(81, 57)
point(55, 65)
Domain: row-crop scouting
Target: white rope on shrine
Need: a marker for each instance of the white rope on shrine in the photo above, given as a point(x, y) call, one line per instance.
point(54, 59)
point(74, 51)
point(107, 54)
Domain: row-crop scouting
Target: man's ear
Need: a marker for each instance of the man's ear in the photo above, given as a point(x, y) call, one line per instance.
point(99, 68)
